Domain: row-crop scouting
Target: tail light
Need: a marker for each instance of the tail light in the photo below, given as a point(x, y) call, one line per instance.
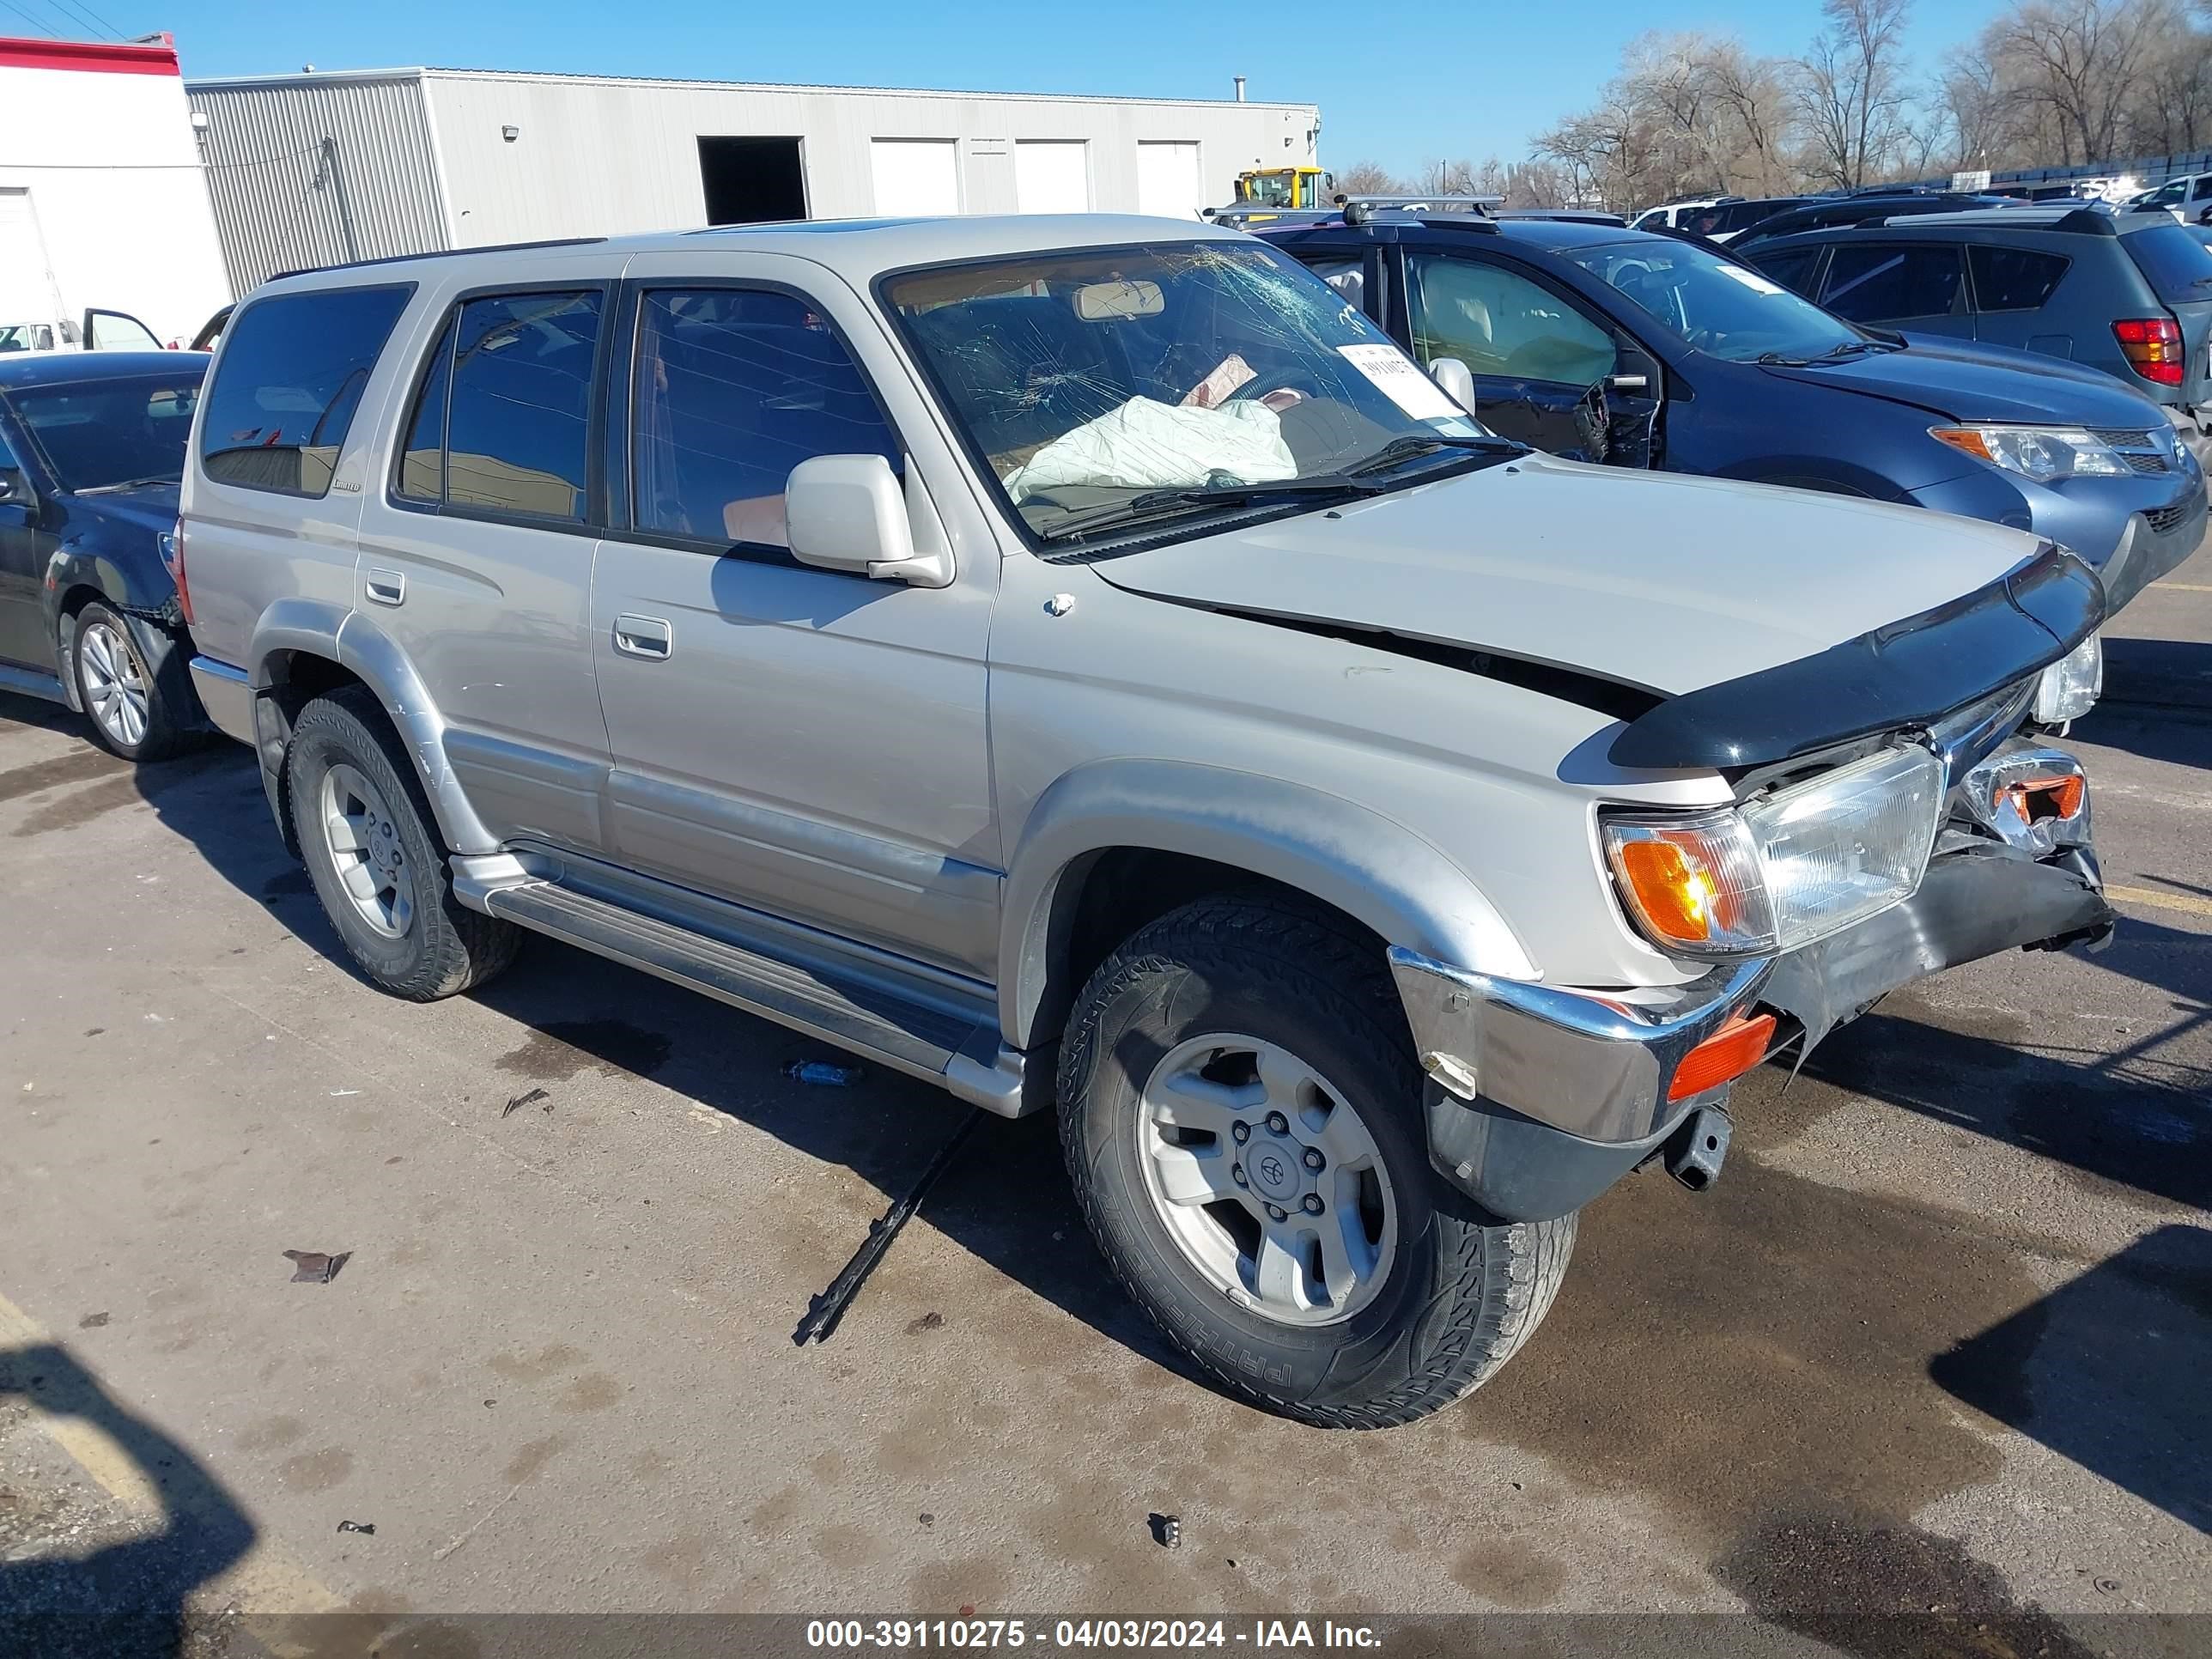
point(173, 555)
point(2152, 346)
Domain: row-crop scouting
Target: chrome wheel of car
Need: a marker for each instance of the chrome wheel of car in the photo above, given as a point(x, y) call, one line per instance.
point(114, 684)
point(1266, 1179)
point(363, 841)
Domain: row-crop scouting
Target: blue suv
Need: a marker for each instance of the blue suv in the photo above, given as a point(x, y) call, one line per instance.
point(1637, 349)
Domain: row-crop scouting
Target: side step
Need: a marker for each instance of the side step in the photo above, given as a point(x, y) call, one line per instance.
point(964, 1056)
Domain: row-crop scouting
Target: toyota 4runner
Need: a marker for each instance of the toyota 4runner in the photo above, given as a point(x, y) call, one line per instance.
point(1083, 662)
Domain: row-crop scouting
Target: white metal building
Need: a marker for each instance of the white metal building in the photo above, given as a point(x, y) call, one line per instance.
point(101, 201)
point(313, 169)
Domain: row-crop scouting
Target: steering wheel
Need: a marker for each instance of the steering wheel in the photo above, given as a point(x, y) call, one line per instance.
point(1296, 379)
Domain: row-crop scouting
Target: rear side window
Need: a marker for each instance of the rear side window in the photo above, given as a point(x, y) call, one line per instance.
point(2179, 265)
point(1874, 281)
point(2013, 278)
point(501, 423)
point(290, 377)
point(1793, 267)
point(735, 388)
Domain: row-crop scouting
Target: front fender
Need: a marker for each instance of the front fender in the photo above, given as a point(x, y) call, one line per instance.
point(1342, 854)
point(316, 628)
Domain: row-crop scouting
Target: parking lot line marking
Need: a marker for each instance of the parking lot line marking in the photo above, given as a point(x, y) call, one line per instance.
point(267, 1579)
point(2189, 902)
point(89, 1447)
point(2185, 588)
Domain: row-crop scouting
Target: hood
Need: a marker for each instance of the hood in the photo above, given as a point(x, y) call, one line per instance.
point(151, 507)
point(1962, 380)
point(1662, 582)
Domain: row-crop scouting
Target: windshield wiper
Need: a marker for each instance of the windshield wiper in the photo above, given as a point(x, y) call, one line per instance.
point(1320, 484)
point(128, 484)
point(1853, 348)
point(1422, 443)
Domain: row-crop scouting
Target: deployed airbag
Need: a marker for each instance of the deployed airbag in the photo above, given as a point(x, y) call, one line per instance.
point(1145, 445)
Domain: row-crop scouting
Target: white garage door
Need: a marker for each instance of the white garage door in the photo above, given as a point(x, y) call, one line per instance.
point(1167, 180)
point(1052, 175)
point(914, 175)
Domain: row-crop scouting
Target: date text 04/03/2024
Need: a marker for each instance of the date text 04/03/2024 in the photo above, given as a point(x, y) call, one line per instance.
point(1259, 1635)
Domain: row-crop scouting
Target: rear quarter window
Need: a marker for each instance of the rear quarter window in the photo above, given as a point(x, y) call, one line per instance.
point(2013, 278)
point(287, 385)
point(2178, 265)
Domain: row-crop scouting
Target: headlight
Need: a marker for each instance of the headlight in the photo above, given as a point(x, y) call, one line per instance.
point(2044, 454)
point(1781, 872)
point(2069, 688)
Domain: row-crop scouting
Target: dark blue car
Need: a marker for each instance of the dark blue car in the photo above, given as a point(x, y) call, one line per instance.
point(1637, 349)
point(92, 446)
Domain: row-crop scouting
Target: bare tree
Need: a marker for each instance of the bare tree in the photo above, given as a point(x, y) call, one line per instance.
point(1369, 178)
point(2074, 63)
point(1851, 92)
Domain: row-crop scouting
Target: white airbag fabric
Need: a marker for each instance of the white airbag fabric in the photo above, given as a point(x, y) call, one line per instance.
point(1155, 445)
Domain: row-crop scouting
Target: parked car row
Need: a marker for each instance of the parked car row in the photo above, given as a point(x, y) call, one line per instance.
point(1087, 663)
point(1642, 350)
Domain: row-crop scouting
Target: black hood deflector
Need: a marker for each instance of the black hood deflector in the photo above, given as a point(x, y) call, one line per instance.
point(1904, 675)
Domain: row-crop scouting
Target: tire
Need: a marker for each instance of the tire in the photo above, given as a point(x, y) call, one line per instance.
point(393, 901)
point(1445, 1299)
point(133, 715)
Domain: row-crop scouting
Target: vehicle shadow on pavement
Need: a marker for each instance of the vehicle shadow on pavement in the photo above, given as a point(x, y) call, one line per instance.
point(2157, 702)
point(2109, 1370)
point(2133, 1115)
point(1005, 1197)
point(122, 1599)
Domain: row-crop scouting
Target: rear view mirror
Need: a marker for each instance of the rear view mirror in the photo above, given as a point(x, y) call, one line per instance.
point(850, 512)
point(1456, 380)
point(1101, 302)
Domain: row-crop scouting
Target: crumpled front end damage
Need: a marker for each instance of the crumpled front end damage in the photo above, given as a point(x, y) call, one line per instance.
point(1541, 1097)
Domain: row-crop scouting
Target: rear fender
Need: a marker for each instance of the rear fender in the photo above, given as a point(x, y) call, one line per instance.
point(337, 634)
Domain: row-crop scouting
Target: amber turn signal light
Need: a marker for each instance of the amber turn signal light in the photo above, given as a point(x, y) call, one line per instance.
point(1728, 1054)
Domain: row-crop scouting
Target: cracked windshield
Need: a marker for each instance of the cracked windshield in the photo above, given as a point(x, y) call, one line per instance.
point(1104, 388)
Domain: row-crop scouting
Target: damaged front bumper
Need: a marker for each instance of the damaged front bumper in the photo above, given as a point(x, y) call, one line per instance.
point(1541, 1097)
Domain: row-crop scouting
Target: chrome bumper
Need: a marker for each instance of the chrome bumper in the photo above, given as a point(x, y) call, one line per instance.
point(227, 695)
point(1598, 1070)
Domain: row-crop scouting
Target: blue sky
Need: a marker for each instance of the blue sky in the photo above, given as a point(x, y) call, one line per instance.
point(1399, 85)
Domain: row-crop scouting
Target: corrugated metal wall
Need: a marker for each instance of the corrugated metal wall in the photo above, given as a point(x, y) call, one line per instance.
point(602, 157)
point(320, 172)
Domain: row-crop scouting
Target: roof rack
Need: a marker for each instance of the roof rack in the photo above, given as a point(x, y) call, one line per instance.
point(437, 253)
point(2078, 221)
point(1357, 210)
point(1564, 215)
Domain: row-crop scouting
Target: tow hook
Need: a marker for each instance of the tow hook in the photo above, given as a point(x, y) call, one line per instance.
point(1693, 1152)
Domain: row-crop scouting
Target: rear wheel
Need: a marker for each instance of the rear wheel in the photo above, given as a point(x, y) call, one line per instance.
point(1240, 1115)
point(372, 852)
point(131, 714)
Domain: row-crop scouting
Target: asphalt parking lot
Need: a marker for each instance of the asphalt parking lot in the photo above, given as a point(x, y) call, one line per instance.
point(1937, 1342)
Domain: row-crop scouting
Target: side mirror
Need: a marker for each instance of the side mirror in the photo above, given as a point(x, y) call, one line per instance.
point(14, 489)
point(849, 512)
point(1456, 378)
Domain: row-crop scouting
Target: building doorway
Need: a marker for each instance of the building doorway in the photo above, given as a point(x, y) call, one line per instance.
point(750, 181)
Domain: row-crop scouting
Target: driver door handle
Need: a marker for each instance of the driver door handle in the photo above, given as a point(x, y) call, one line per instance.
point(650, 637)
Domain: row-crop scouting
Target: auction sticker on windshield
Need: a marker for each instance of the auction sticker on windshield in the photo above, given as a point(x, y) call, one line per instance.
point(1752, 280)
point(1394, 373)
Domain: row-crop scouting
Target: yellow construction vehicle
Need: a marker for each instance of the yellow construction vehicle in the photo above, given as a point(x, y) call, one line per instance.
point(1284, 187)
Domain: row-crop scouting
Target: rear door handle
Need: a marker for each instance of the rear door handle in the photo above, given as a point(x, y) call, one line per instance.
point(386, 586)
point(643, 636)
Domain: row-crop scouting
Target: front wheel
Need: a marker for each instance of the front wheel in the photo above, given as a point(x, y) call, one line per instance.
point(1240, 1115)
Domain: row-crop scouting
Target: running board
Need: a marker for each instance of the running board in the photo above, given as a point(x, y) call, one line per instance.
point(964, 1056)
point(29, 683)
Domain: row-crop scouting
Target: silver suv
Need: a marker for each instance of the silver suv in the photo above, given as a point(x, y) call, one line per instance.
point(1083, 662)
